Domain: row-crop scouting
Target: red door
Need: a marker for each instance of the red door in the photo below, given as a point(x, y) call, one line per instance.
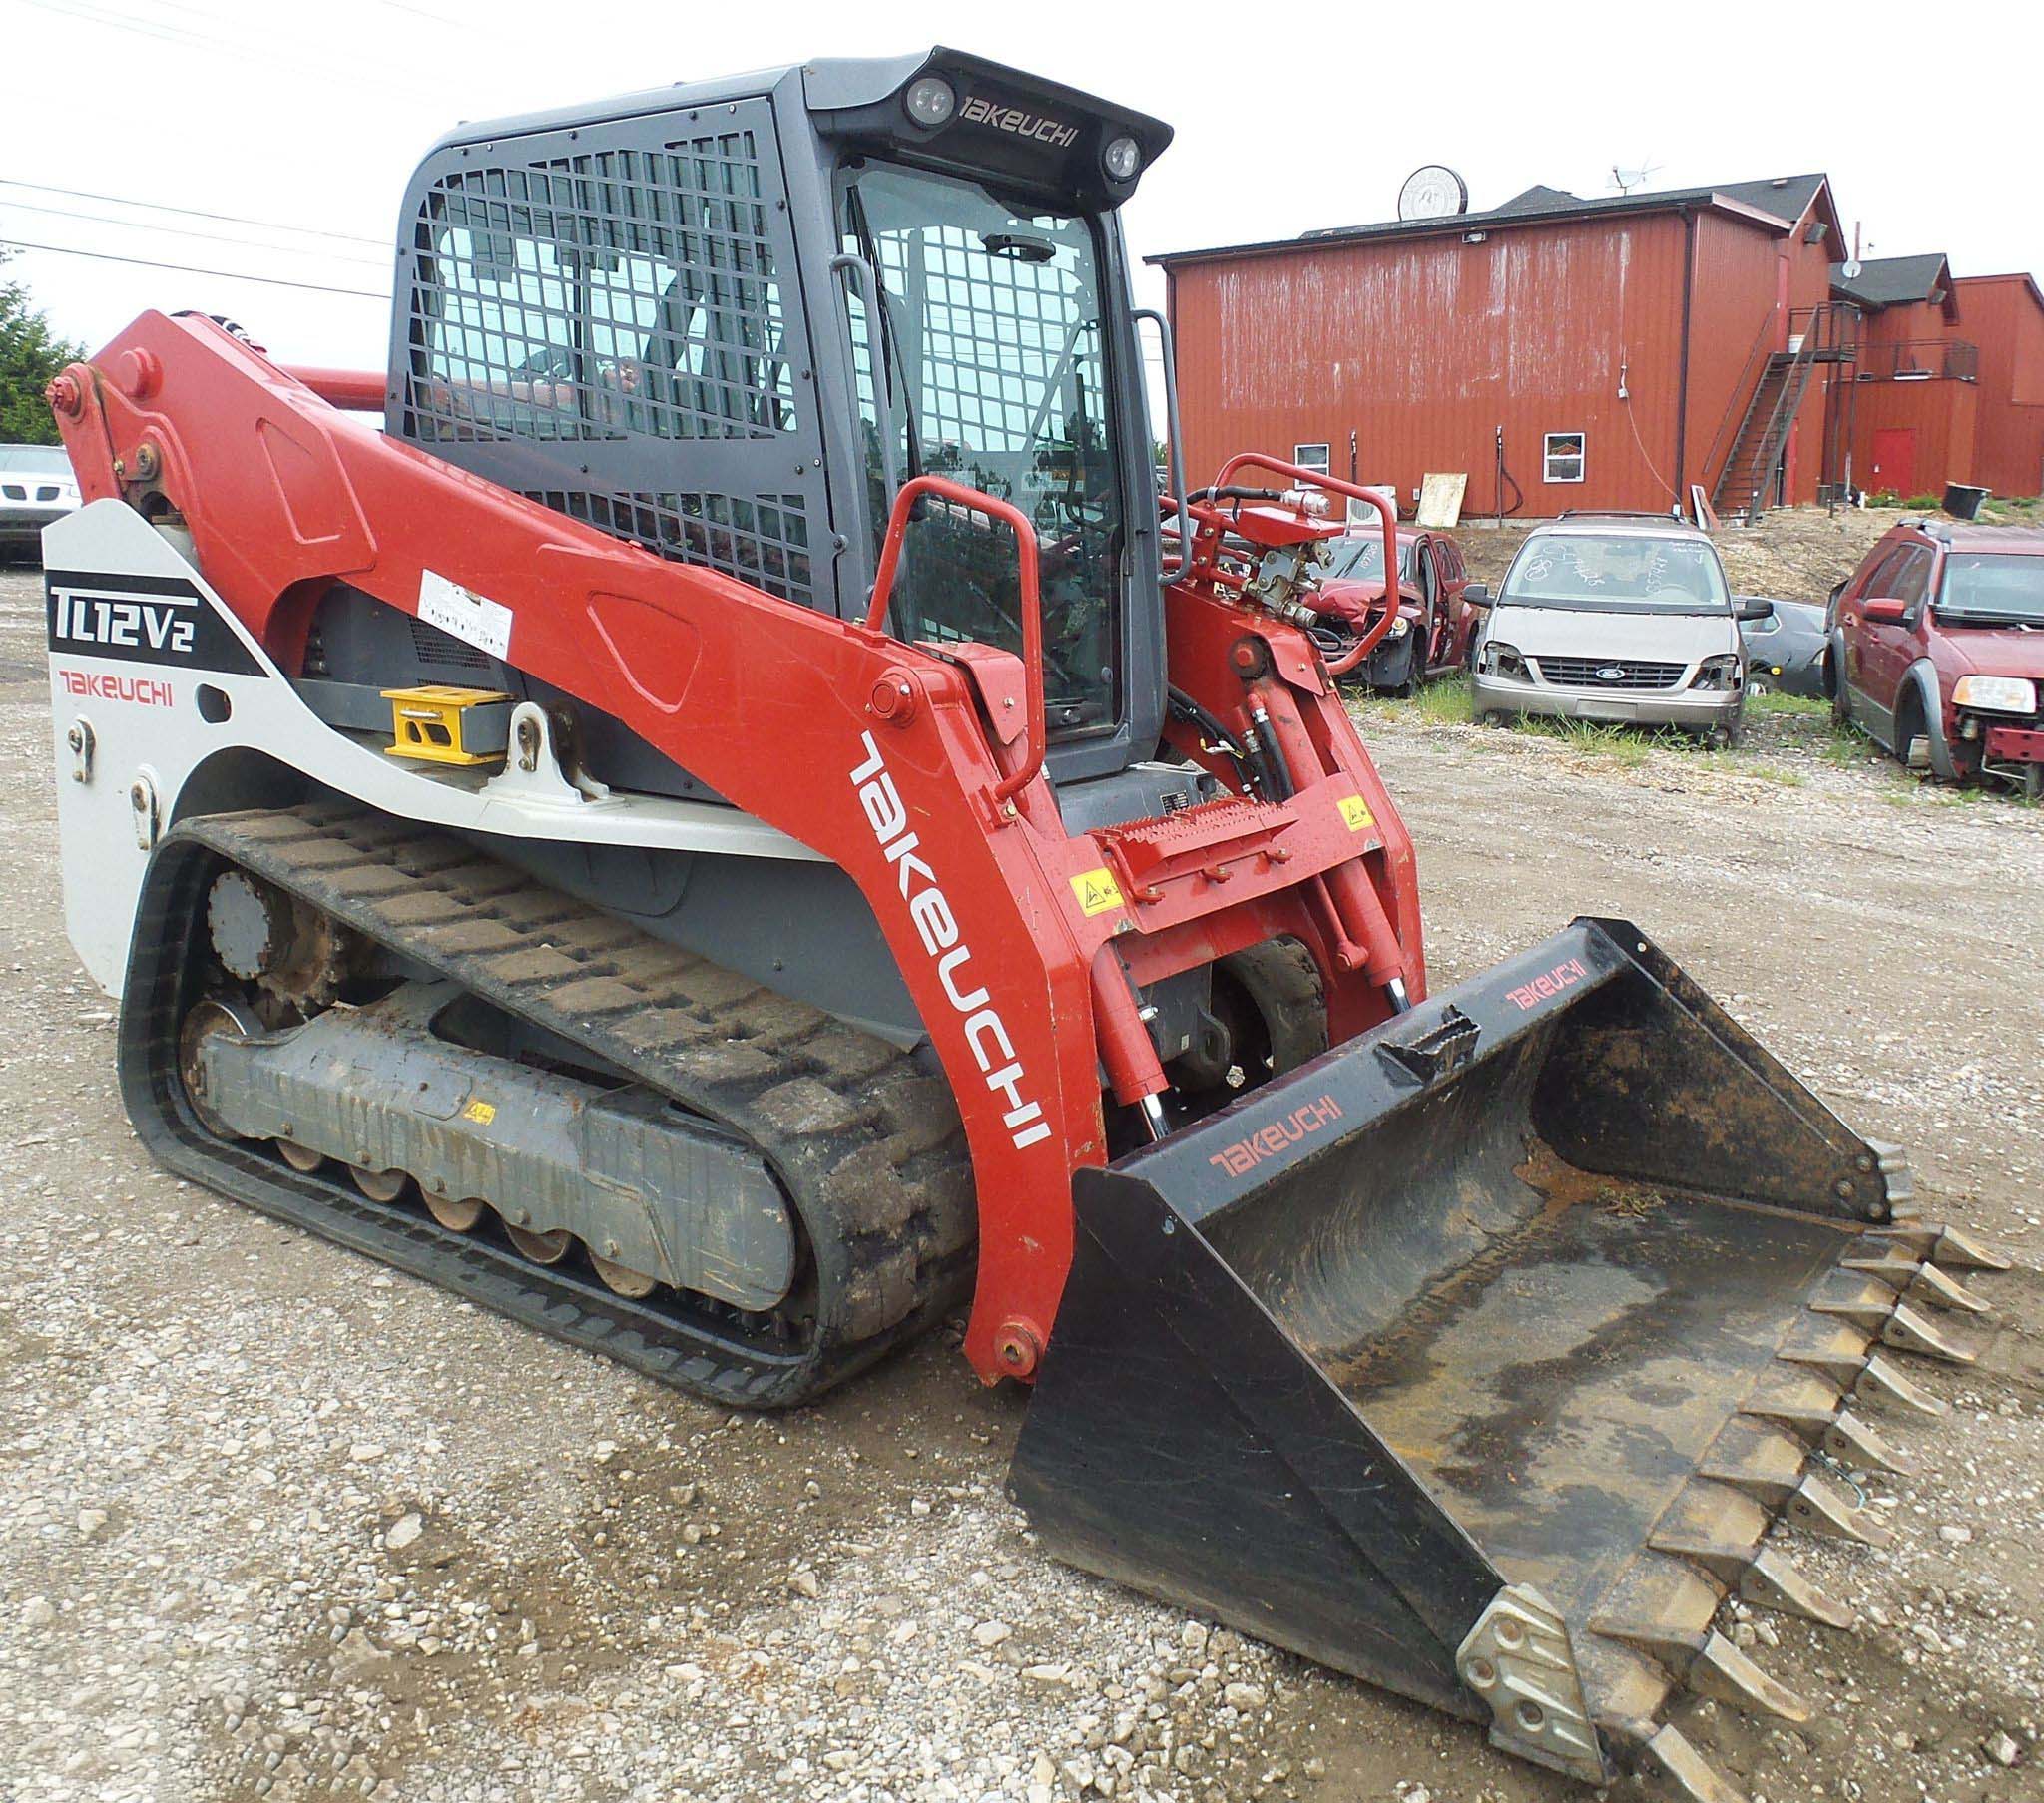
point(1894, 460)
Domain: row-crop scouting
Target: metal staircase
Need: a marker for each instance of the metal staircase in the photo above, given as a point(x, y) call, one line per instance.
point(1829, 334)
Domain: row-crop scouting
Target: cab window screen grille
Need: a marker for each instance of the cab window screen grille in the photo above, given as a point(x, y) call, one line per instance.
point(608, 320)
point(600, 295)
point(995, 335)
point(764, 542)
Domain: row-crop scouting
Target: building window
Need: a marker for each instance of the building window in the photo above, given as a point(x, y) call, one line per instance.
point(1562, 457)
point(1310, 457)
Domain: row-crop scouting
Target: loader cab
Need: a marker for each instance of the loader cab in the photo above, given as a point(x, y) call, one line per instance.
point(729, 320)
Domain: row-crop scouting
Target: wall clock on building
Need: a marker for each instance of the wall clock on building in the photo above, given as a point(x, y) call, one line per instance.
point(1432, 192)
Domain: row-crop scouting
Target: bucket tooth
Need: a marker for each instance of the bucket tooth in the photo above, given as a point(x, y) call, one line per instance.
point(1946, 1247)
point(1818, 1506)
point(1922, 1279)
point(1771, 1582)
point(1719, 1670)
point(1884, 1379)
point(1867, 1303)
point(1671, 1753)
point(1915, 1331)
point(1852, 1442)
point(1708, 1663)
point(1935, 1288)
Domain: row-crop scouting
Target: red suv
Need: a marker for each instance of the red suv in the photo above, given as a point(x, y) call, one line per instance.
point(1937, 650)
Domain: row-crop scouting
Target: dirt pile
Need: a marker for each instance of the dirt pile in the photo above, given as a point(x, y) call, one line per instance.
point(1793, 553)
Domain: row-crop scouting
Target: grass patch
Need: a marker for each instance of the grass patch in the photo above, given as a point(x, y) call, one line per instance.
point(1444, 703)
point(1775, 702)
point(1622, 745)
point(1999, 510)
point(1847, 745)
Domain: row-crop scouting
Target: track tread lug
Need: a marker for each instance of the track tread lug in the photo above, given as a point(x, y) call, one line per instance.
point(421, 908)
point(807, 1107)
point(586, 996)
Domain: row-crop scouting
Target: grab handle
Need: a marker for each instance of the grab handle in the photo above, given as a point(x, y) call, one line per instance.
point(1032, 601)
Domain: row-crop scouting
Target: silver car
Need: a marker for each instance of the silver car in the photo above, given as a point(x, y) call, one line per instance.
point(1610, 618)
point(36, 487)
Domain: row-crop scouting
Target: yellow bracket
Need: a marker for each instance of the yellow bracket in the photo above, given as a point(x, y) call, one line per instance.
point(430, 724)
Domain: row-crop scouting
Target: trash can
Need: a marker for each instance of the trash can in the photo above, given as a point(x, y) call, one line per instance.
point(1962, 500)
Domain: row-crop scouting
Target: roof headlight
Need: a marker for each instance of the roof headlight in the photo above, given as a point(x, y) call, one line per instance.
point(931, 100)
point(1996, 694)
point(1122, 159)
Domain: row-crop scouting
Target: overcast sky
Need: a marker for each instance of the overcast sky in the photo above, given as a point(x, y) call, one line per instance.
point(1287, 117)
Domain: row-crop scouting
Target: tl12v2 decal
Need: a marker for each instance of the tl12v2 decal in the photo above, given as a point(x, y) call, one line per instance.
point(141, 620)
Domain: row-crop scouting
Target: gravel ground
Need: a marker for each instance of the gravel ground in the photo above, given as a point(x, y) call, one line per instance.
point(274, 1523)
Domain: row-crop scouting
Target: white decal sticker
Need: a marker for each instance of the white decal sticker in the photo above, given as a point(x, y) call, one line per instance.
point(474, 619)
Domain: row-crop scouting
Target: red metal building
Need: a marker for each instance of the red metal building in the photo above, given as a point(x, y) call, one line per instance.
point(1950, 376)
point(2004, 315)
point(1617, 351)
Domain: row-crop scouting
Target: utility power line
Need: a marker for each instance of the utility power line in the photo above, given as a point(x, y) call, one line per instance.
point(211, 237)
point(148, 263)
point(166, 31)
point(193, 212)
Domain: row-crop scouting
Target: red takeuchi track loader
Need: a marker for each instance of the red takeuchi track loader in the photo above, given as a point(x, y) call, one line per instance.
point(735, 822)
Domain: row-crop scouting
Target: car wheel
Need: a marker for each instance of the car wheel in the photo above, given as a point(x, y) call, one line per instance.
point(1841, 704)
point(1759, 686)
point(2033, 782)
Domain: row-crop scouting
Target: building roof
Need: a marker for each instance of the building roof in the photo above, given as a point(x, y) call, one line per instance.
point(1787, 198)
point(1897, 281)
point(1778, 203)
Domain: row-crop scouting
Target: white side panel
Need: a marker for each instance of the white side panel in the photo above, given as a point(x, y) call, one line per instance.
point(135, 635)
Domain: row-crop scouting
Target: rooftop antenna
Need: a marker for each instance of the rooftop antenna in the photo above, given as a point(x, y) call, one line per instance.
point(1626, 179)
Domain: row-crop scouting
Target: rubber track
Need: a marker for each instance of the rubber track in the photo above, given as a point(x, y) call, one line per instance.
point(866, 1143)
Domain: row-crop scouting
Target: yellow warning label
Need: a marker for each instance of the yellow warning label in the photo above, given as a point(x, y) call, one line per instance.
point(1096, 891)
point(480, 1111)
point(1356, 812)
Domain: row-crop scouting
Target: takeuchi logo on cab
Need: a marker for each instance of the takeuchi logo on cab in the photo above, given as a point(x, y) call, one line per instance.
point(1019, 122)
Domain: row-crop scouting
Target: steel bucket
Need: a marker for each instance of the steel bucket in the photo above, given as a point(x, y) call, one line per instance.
point(1477, 1356)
